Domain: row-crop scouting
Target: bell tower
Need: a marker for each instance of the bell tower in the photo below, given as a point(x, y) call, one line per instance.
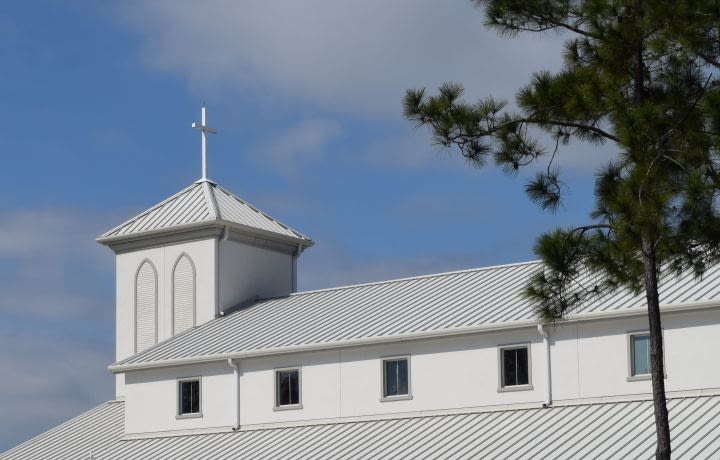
point(193, 257)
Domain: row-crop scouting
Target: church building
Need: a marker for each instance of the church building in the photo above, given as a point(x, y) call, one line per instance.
point(218, 356)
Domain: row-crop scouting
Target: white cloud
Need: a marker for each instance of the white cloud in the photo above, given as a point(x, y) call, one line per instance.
point(53, 267)
point(301, 142)
point(56, 316)
point(345, 56)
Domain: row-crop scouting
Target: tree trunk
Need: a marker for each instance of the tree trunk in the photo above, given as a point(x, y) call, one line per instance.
point(657, 364)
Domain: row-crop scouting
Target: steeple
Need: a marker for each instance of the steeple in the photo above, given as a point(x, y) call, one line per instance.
point(194, 256)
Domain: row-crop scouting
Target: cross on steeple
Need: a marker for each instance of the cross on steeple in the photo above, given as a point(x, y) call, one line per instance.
point(204, 130)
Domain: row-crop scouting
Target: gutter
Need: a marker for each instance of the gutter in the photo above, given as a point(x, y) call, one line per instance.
point(235, 365)
point(671, 308)
point(542, 329)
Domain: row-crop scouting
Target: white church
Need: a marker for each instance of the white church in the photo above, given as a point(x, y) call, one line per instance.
point(219, 357)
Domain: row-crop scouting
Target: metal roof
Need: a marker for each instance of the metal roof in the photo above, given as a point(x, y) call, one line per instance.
point(93, 431)
point(622, 429)
point(441, 304)
point(203, 201)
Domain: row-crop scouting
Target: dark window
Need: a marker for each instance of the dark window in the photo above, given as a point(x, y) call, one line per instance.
point(189, 391)
point(515, 367)
point(287, 387)
point(395, 377)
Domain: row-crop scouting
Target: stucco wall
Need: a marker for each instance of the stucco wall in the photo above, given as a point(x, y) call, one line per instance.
point(248, 271)
point(588, 360)
point(163, 258)
point(151, 399)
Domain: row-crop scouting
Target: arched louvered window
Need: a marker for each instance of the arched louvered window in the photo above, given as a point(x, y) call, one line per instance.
point(146, 287)
point(183, 294)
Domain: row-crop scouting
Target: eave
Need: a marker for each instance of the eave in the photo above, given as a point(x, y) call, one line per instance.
point(199, 230)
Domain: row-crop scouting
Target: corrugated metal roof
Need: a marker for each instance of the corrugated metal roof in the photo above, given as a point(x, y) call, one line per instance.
point(437, 303)
point(602, 430)
point(203, 201)
point(93, 431)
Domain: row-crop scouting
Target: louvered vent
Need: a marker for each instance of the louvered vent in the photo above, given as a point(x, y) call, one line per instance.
point(183, 295)
point(146, 307)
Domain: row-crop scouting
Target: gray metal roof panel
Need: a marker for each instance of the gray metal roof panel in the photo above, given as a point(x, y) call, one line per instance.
point(607, 430)
point(441, 303)
point(201, 202)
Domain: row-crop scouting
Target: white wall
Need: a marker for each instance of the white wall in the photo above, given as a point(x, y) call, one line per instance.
point(151, 399)
point(591, 359)
point(588, 360)
point(247, 271)
point(444, 373)
point(202, 254)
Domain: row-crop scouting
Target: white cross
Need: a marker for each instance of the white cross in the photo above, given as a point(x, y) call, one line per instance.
point(204, 130)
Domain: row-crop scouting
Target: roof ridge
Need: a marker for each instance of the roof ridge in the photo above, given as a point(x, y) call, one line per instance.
point(417, 277)
point(210, 200)
point(149, 210)
point(259, 211)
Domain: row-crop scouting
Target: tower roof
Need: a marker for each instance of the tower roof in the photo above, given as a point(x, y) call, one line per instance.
point(203, 202)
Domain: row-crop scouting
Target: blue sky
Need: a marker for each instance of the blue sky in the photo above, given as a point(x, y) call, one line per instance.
point(98, 100)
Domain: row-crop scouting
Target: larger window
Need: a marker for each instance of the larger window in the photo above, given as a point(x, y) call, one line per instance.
point(515, 367)
point(189, 398)
point(396, 378)
point(287, 389)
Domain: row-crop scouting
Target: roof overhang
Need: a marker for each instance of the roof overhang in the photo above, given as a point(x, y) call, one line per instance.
point(587, 317)
point(202, 230)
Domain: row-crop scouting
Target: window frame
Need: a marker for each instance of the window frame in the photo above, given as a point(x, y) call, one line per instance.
point(276, 389)
point(178, 412)
point(629, 357)
point(388, 398)
point(502, 388)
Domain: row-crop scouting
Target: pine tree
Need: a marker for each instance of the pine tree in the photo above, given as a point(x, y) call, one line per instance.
point(641, 75)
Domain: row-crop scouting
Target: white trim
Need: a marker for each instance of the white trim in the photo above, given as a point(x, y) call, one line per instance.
point(178, 414)
point(276, 389)
point(466, 330)
point(502, 387)
point(383, 381)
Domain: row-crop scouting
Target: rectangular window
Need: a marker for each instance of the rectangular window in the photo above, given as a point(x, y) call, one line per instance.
point(514, 367)
point(639, 354)
point(287, 388)
point(396, 377)
point(189, 397)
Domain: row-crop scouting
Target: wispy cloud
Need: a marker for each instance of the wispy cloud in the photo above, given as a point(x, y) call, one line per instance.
point(56, 318)
point(346, 56)
point(300, 143)
point(51, 266)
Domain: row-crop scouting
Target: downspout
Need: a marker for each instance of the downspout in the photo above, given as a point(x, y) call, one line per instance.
point(222, 237)
point(548, 380)
point(236, 393)
point(294, 267)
